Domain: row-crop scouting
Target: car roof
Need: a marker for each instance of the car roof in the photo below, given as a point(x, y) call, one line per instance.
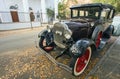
point(102, 6)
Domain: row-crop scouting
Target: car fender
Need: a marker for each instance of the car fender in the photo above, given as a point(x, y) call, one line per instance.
point(108, 31)
point(42, 33)
point(96, 30)
point(47, 35)
point(80, 46)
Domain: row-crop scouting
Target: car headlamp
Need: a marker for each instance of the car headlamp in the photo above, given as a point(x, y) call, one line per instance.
point(75, 50)
point(92, 24)
point(67, 36)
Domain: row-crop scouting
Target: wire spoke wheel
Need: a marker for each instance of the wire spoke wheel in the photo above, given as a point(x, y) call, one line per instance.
point(82, 62)
point(98, 39)
point(44, 46)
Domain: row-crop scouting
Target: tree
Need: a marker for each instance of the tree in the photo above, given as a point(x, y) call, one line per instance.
point(115, 3)
point(50, 14)
point(118, 6)
point(63, 8)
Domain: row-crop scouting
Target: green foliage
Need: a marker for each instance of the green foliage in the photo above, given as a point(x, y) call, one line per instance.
point(61, 10)
point(76, 1)
point(118, 6)
point(50, 13)
point(115, 3)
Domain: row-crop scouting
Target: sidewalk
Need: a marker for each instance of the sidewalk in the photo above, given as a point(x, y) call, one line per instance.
point(109, 65)
point(19, 31)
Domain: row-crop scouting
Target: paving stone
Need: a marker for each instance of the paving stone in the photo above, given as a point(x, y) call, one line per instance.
point(115, 53)
point(109, 66)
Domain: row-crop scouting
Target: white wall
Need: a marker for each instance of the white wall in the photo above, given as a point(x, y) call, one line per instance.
point(8, 3)
point(2, 5)
point(50, 4)
point(56, 8)
point(39, 5)
point(5, 9)
point(35, 5)
point(25, 16)
point(53, 4)
point(23, 9)
point(11, 26)
point(23, 6)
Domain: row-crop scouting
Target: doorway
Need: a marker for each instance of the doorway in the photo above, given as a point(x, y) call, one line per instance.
point(14, 15)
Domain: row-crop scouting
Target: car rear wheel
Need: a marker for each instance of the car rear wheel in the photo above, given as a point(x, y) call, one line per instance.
point(98, 39)
point(82, 62)
point(44, 46)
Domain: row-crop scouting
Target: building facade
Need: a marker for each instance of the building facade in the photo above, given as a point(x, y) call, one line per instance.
point(15, 14)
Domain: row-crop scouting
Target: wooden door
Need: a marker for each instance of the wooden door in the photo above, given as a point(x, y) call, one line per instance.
point(14, 15)
point(32, 16)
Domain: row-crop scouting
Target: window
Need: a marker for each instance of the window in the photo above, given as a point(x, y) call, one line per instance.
point(86, 12)
point(74, 13)
point(111, 14)
point(103, 14)
point(81, 13)
point(97, 14)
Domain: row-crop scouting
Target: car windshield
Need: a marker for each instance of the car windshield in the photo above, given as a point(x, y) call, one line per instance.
point(85, 12)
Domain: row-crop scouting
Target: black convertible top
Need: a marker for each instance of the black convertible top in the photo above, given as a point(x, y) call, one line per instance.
point(102, 6)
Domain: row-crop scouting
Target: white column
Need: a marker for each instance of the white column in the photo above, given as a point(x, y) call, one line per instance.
point(2, 8)
point(43, 11)
point(56, 8)
point(5, 17)
point(26, 10)
point(25, 5)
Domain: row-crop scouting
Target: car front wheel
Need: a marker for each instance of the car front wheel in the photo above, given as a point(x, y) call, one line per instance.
point(82, 62)
point(44, 46)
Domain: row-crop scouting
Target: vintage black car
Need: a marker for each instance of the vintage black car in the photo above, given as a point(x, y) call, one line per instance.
point(80, 36)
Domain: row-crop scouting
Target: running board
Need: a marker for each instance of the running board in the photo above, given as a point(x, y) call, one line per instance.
point(65, 67)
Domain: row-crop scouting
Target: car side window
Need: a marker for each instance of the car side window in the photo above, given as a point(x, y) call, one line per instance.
point(97, 14)
point(111, 14)
point(81, 13)
point(104, 15)
point(74, 13)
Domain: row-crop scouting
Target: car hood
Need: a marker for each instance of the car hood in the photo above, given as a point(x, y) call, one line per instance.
point(75, 25)
point(78, 29)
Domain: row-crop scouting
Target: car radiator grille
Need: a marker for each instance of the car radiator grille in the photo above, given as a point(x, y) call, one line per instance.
point(59, 35)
